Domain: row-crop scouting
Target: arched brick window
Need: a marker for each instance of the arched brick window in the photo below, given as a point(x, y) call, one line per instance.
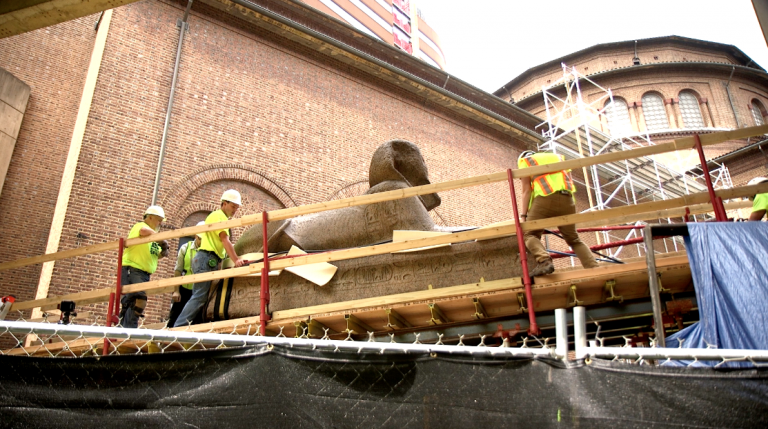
point(690, 111)
point(618, 117)
point(758, 112)
point(654, 112)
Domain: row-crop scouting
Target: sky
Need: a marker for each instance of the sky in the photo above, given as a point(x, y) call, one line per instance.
point(487, 43)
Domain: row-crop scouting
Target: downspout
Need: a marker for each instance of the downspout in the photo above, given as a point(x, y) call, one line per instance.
point(183, 26)
point(730, 98)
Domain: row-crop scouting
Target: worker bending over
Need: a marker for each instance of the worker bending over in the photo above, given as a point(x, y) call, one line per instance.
point(183, 267)
point(139, 262)
point(549, 195)
point(214, 245)
point(759, 201)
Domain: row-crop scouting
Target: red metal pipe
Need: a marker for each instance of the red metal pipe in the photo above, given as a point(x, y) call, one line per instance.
point(687, 215)
point(264, 293)
point(534, 327)
point(717, 203)
point(609, 245)
point(114, 297)
point(119, 284)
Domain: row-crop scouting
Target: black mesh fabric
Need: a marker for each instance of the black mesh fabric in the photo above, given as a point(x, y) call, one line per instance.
point(291, 387)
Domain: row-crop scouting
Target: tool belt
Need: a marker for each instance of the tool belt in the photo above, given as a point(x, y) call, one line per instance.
point(136, 301)
point(213, 258)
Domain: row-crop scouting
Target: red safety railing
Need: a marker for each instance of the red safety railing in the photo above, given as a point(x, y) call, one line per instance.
point(533, 329)
point(264, 292)
point(114, 298)
point(717, 202)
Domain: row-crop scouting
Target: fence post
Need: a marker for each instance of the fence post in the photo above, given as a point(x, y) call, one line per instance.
point(264, 293)
point(561, 333)
point(534, 327)
point(580, 331)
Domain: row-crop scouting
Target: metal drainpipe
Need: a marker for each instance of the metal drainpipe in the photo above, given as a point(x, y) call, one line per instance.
point(730, 98)
point(182, 28)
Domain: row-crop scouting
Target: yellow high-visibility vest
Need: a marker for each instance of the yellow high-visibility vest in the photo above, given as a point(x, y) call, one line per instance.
point(548, 184)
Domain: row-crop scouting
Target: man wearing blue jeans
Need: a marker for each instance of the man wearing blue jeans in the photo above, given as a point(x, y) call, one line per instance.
point(213, 247)
point(139, 262)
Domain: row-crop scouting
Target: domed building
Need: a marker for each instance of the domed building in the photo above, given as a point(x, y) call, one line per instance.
point(663, 88)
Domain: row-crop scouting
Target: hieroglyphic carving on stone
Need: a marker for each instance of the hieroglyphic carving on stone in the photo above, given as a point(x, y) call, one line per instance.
point(374, 274)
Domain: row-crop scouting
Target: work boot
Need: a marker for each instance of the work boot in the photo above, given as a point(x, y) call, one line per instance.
point(543, 268)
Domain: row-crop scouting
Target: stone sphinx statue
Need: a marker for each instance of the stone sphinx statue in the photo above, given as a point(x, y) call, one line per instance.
point(396, 164)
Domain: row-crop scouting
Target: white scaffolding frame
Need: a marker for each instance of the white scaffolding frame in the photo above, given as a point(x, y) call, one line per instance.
point(570, 131)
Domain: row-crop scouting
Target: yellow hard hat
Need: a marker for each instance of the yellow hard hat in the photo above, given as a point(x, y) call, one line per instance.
point(200, 234)
point(155, 210)
point(232, 196)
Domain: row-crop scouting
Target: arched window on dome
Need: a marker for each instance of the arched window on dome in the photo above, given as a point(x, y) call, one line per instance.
point(758, 112)
point(618, 117)
point(690, 111)
point(654, 112)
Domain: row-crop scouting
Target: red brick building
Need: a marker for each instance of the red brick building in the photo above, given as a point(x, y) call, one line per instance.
point(275, 99)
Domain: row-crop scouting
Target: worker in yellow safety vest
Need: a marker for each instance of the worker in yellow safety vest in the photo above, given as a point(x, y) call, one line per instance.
point(181, 295)
point(759, 201)
point(545, 196)
point(214, 246)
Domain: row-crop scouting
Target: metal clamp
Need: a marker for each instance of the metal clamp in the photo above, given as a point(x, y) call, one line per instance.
point(480, 312)
point(572, 299)
point(436, 315)
point(521, 300)
point(609, 294)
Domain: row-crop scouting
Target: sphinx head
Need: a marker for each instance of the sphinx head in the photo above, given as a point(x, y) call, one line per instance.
point(401, 160)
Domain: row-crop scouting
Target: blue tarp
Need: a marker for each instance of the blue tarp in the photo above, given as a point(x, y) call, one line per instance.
point(729, 263)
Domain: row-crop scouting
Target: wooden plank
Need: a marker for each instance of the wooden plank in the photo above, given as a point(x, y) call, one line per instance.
point(26, 16)
point(164, 285)
point(679, 144)
point(80, 251)
point(663, 214)
point(75, 145)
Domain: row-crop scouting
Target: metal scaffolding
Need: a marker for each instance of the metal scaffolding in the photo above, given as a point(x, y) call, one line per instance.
point(577, 126)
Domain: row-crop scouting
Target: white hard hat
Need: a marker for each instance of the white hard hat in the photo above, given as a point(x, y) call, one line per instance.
point(200, 234)
point(525, 154)
point(757, 180)
point(155, 210)
point(232, 196)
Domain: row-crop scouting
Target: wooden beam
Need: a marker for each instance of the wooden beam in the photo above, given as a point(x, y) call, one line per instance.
point(706, 139)
point(663, 214)
point(545, 287)
point(679, 144)
point(165, 285)
point(21, 16)
point(70, 166)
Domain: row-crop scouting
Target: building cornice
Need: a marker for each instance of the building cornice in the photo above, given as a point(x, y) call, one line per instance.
point(726, 68)
point(295, 21)
point(737, 53)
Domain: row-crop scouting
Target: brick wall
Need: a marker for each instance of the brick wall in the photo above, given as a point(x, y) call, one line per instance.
point(53, 61)
point(284, 125)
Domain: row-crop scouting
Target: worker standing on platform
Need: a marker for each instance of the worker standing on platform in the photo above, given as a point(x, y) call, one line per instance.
point(214, 245)
point(545, 196)
point(183, 267)
point(139, 262)
point(759, 201)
